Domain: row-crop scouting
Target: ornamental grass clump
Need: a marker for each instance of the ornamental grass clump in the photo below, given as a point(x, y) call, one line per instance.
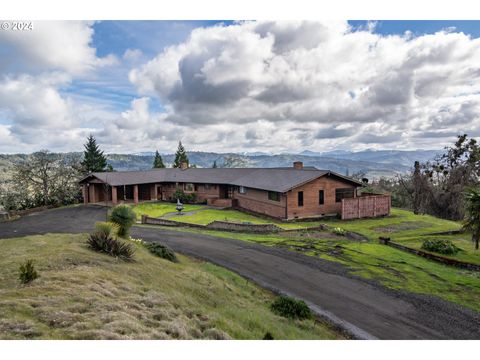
point(291, 308)
point(27, 272)
point(124, 217)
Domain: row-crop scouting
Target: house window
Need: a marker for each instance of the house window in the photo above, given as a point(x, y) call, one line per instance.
point(343, 194)
point(242, 190)
point(274, 196)
point(196, 187)
point(188, 187)
point(321, 197)
point(300, 198)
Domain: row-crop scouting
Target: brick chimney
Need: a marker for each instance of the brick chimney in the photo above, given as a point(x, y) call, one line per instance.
point(298, 165)
point(183, 165)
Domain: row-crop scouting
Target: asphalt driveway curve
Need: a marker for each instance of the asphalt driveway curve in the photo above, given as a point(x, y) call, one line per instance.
point(364, 309)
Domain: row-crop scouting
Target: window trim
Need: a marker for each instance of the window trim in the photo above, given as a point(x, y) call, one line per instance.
point(242, 190)
point(300, 196)
point(276, 197)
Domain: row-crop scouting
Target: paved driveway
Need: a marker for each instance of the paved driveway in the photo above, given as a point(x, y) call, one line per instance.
point(365, 309)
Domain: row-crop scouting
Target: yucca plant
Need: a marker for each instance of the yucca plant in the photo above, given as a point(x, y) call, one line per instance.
point(102, 242)
point(124, 216)
point(472, 214)
point(107, 227)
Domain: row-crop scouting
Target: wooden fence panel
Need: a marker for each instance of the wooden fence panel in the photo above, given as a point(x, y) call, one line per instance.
point(365, 206)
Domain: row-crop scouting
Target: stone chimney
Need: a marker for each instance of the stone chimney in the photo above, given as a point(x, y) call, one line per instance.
point(183, 165)
point(298, 165)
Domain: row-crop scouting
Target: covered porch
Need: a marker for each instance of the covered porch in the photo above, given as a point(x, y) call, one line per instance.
point(107, 194)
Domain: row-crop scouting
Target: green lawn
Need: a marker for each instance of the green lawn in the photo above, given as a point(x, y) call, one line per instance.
point(206, 216)
point(158, 209)
point(391, 267)
point(82, 294)
point(401, 223)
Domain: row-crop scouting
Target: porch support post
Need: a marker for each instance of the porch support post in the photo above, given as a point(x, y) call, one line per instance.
point(153, 192)
point(85, 194)
point(114, 195)
point(135, 194)
point(94, 194)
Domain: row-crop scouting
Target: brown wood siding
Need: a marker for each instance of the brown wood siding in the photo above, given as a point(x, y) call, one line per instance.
point(203, 194)
point(311, 206)
point(257, 201)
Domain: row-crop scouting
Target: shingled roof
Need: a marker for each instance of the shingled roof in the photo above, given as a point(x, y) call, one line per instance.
point(271, 179)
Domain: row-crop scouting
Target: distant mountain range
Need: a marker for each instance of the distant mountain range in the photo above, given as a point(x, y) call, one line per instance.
point(374, 163)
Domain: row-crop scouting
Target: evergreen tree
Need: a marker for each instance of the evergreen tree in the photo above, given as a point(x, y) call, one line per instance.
point(472, 216)
point(214, 164)
point(158, 161)
point(93, 158)
point(180, 156)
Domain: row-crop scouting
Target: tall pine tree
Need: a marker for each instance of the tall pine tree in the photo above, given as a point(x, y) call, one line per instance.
point(214, 164)
point(180, 156)
point(158, 161)
point(93, 158)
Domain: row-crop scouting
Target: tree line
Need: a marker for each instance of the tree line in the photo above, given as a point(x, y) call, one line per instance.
point(44, 178)
point(447, 187)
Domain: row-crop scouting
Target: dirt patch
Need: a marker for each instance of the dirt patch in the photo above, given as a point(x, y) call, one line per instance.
point(407, 225)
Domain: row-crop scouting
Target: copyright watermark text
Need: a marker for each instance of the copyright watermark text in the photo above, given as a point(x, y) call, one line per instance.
point(16, 25)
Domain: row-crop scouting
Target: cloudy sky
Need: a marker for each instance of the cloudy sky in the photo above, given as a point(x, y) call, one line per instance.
point(239, 86)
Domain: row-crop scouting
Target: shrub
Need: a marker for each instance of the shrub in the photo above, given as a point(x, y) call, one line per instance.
point(107, 227)
point(291, 308)
point(184, 198)
point(102, 242)
point(27, 272)
point(268, 336)
point(441, 246)
point(124, 216)
point(339, 231)
point(162, 251)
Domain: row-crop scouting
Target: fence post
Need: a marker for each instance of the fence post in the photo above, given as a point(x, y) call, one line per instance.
point(358, 207)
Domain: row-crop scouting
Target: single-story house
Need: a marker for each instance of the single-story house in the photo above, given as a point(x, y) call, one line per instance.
point(283, 193)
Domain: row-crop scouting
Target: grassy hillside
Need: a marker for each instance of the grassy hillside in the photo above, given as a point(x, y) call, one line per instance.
point(86, 295)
